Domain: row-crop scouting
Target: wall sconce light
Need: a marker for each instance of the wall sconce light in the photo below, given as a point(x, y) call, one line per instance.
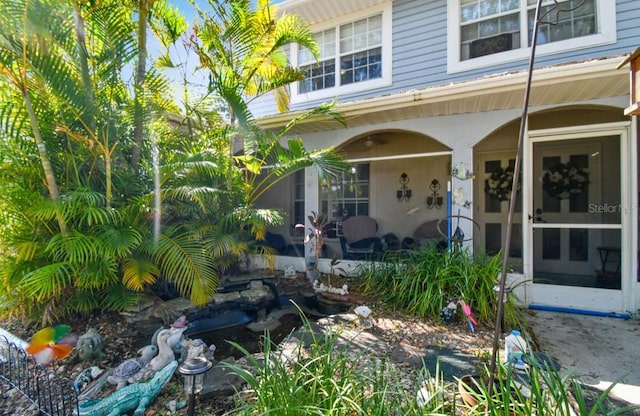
point(434, 200)
point(193, 369)
point(404, 193)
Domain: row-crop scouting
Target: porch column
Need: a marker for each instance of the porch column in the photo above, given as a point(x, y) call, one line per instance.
point(311, 199)
point(462, 194)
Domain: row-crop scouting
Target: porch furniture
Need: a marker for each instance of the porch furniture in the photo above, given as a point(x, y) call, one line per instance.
point(610, 256)
point(609, 276)
point(359, 239)
point(428, 234)
point(275, 242)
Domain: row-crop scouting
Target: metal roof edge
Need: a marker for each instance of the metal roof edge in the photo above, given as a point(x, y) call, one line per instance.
point(508, 81)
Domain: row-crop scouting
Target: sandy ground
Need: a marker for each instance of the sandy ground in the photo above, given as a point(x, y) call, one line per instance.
point(597, 350)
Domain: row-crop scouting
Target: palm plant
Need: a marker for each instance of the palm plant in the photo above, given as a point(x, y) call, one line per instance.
point(88, 243)
point(241, 45)
point(62, 64)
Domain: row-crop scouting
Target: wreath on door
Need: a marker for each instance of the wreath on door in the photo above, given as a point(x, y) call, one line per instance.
point(500, 183)
point(564, 180)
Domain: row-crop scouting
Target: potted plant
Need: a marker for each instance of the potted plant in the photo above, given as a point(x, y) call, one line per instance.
point(315, 242)
point(474, 390)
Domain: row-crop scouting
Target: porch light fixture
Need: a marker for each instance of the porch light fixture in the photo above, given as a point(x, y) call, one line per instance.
point(434, 200)
point(404, 193)
point(634, 64)
point(193, 369)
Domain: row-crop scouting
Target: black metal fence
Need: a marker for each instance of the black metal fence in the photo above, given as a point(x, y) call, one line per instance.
point(49, 393)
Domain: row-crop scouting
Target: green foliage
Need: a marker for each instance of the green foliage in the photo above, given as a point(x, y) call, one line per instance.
point(421, 281)
point(539, 392)
point(324, 378)
point(327, 376)
point(108, 186)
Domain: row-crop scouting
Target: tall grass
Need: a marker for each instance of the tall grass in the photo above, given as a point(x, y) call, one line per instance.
point(325, 378)
point(421, 281)
point(540, 392)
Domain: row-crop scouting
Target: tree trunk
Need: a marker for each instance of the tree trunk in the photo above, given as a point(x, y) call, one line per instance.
point(141, 71)
point(84, 65)
point(49, 175)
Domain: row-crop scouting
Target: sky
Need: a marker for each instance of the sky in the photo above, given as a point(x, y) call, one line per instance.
point(197, 80)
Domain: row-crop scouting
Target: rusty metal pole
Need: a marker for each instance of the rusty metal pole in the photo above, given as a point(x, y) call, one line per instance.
point(512, 199)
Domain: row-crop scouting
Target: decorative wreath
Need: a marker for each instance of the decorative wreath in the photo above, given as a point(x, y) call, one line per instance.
point(500, 183)
point(564, 180)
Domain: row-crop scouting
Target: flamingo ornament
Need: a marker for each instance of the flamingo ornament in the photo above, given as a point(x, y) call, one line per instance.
point(470, 319)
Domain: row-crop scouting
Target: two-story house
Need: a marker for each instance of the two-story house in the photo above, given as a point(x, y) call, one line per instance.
point(430, 88)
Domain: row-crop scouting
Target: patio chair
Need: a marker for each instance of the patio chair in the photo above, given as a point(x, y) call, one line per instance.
point(428, 234)
point(359, 239)
point(274, 241)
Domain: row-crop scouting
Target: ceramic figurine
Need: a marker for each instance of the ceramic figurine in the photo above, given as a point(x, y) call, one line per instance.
point(129, 368)
point(89, 346)
point(132, 397)
point(157, 363)
point(86, 377)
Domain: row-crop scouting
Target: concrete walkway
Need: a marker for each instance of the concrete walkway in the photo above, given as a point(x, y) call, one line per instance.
point(596, 350)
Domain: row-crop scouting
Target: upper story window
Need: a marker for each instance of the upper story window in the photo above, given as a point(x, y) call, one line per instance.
point(486, 32)
point(353, 56)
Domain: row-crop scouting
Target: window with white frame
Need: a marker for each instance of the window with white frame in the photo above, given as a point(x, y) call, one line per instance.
point(298, 203)
point(349, 195)
point(485, 32)
point(355, 55)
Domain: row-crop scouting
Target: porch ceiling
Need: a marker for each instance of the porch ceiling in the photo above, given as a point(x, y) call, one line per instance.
point(562, 84)
point(314, 11)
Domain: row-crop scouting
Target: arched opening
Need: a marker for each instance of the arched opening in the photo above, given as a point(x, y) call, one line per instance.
point(569, 223)
point(389, 181)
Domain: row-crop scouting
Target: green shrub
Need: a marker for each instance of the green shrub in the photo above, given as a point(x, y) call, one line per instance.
point(538, 392)
point(421, 281)
point(325, 378)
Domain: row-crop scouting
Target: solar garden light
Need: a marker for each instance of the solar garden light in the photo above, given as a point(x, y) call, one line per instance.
point(193, 369)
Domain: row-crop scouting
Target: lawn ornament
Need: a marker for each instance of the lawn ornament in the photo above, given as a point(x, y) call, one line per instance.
point(89, 346)
point(157, 363)
point(129, 368)
point(175, 338)
point(136, 396)
point(470, 319)
point(448, 313)
point(86, 377)
point(51, 343)
point(364, 312)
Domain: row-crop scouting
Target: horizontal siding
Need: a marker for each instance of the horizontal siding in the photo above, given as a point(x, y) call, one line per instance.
point(420, 51)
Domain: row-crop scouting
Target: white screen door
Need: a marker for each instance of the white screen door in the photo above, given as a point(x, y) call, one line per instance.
point(575, 215)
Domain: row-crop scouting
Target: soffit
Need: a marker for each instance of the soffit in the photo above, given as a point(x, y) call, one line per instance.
point(316, 11)
point(556, 85)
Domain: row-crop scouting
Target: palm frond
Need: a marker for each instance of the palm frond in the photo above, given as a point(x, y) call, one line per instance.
point(325, 109)
point(138, 272)
point(183, 261)
point(73, 247)
point(117, 298)
point(100, 273)
point(47, 281)
point(118, 241)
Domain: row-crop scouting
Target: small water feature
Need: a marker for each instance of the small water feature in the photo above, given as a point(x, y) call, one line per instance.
point(249, 340)
point(247, 305)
